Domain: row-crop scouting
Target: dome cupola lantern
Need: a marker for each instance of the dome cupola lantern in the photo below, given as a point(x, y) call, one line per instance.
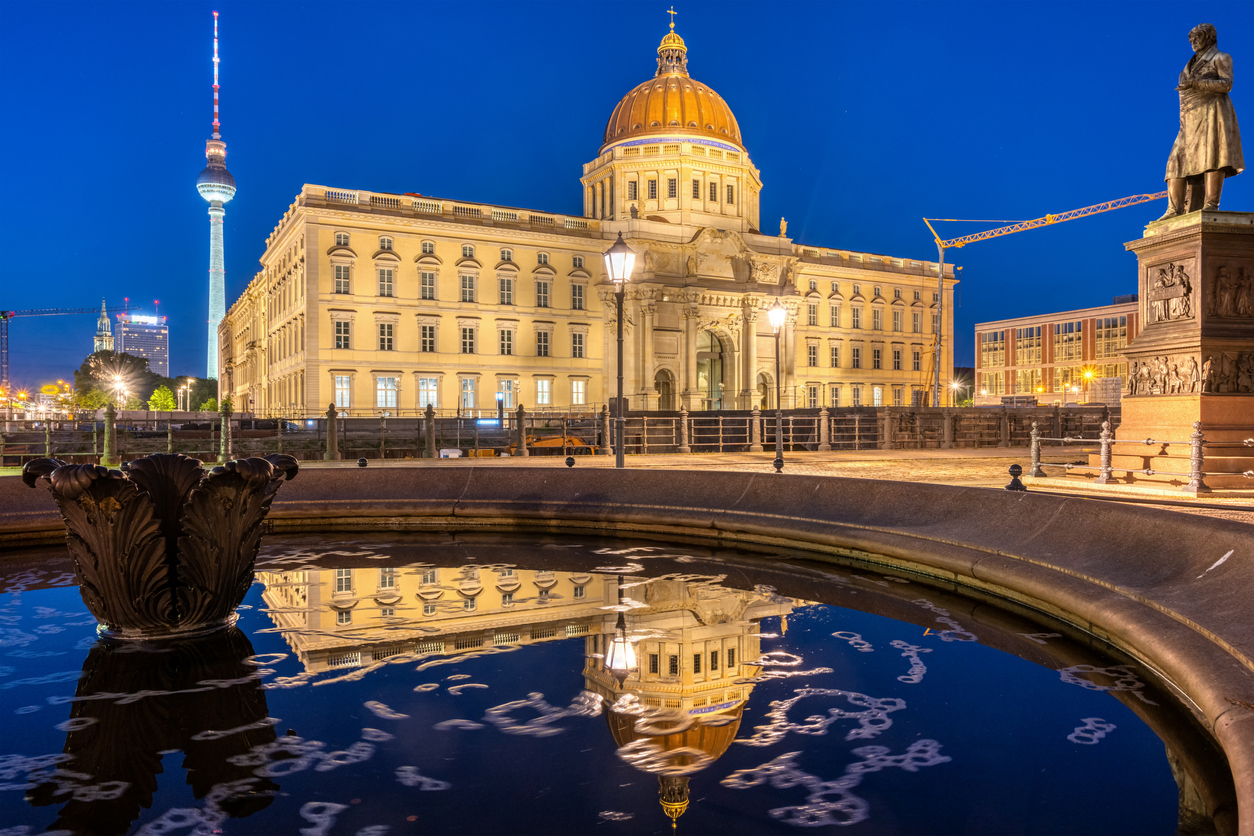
point(672, 54)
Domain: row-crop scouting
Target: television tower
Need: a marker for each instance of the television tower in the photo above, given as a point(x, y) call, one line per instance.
point(217, 186)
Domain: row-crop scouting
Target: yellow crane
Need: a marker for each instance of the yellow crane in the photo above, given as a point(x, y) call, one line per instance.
point(943, 244)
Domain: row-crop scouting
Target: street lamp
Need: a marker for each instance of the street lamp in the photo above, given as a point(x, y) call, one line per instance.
point(776, 315)
point(620, 259)
point(620, 656)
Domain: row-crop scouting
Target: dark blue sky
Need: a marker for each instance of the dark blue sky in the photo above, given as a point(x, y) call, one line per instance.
point(863, 118)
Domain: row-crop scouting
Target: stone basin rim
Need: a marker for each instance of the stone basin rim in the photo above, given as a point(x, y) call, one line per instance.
point(1147, 581)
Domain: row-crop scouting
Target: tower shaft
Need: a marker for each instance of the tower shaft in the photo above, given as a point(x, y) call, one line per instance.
point(217, 283)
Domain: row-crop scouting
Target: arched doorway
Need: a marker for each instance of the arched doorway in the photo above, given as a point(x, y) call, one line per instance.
point(664, 383)
point(764, 391)
point(710, 370)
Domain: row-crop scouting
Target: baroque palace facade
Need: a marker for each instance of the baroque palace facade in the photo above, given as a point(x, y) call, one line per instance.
point(383, 302)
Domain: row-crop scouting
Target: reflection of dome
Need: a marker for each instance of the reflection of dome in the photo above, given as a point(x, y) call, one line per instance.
point(672, 103)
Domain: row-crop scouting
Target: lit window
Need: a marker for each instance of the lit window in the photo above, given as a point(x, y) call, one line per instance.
point(896, 359)
point(507, 255)
point(385, 336)
point(542, 294)
point(544, 390)
point(341, 239)
point(341, 278)
point(857, 357)
point(542, 343)
point(507, 343)
point(468, 288)
point(468, 251)
point(469, 398)
point(343, 338)
point(343, 390)
point(578, 392)
point(385, 282)
point(542, 258)
point(507, 290)
point(385, 393)
point(385, 243)
point(812, 355)
point(875, 358)
point(576, 345)
point(468, 341)
point(428, 392)
point(652, 190)
point(576, 297)
point(877, 393)
point(578, 261)
point(427, 282)
point(426, 334)
point(428, 248)
point(672, 187)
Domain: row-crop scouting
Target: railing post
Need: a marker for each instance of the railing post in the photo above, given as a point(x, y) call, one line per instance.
point(644, 431)
point(95, 438)
point(1107, 438)
point(825, 430)
point(947, 424)
point(755, 431)
point(278, 433)
point(683, 431)
point(1197, 481)
point(1003, 428)
point(109, 457)
point(607, 448)
point(224, 455)
point(520, 449)
point(429, 442)
point(887, 431)
point(332, 453)
point(857, 431)
point(1036, 471)
point(169, 434)
point(48, 439)
point(383, 434)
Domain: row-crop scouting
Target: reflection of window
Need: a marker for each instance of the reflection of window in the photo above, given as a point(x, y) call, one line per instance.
point(652, 190)
point(579, 592)
point(696, 663)
point(731, 657)
point(428, 576)
point(653, 658)
point(387, 612)
point(673, 665)
point(713, 660)
point(344, 617)
point(469, 604)
point(387, 579)
point(507, 599)
point(343, 580)
point(428, 609)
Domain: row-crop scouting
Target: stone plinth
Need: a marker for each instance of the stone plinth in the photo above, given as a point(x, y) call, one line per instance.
point(1194, 358)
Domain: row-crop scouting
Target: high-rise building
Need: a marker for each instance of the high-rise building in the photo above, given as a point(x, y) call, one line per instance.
point(145, 336)
point(104, 334)
point(217, 186)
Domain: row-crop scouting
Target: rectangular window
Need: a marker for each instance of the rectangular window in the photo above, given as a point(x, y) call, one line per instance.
point(428, 389)
point(916, 363)
point(653, 663)
point(696, 189)
point(468, 393)
point(341, 278)
point(426, 334)
point(714, 192)
point(542, 343)
point(578, 392)
point(835, 352)
point(916, 322)
point(578, 262)
point(343, 337)
point(385, 336)
point(542, 258)
point(875, 358)
point(507, 255)
point(835, 390)
point(468, 288)
point(385, 282)
point(428, 609)
point(470, 605)
point(580, 591)
point(812, 314)
point(877, 320)
point(857, 317)
point(916, 296)
point(833, 314)
point(812, 355)
point(812, 397)
point(343, 388)
point(713, 660)
point(385, 392)
point(935, 323)
point(507, 290)
point(507, 599)
point(672, 187)
point(993, 349)
point(857, 395)
point(1067, 342)
point(672, 665)
point(896, 320)
point(428, 247)
point(343, 580)
point(1028, 345)
point(344, 617)
point(387, 579)
point(428, 576)
point(896, 293)
point(507, 341)
point(896, 359)
point(427, 282)
point(897, 395)
point(341, 239)
point(542, 294)
point(857, 357)
point(696, 663)
point(731, 657)
point(731, 194)
point(877, 396)
point(544, 392)
point(652, 190)
point(576, 297)
point(468, 341)
point(632, 187)
point(387, 612)
point(576, 345)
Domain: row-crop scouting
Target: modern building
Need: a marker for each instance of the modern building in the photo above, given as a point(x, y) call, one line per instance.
point(145, 336)
point(392, 301)
point(104, 333)
point(217, 186)
point(1066, 357)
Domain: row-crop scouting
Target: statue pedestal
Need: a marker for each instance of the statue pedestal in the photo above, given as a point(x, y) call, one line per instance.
point(1194, 357)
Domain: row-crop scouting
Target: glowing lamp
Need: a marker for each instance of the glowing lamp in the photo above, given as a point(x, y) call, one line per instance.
point(776, 315)
point(620, 260)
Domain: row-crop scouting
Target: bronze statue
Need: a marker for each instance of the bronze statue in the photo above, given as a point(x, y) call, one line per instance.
point(1208, 146)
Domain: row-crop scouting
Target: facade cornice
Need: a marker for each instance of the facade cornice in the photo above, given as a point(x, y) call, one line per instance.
point(431, 223)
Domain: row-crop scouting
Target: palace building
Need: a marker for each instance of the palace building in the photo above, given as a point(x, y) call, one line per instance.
point(390, 302)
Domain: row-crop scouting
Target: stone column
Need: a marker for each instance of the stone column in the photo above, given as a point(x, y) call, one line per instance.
point(1003, 428)
point(520, 447)
point(429, 446)
point(750, 392)
point(887, 432)
point(607, 437)
point(947, 421)
point(789, 361)
point(683, 431)
point(755, 431)
point(333, 436)
point(224, 454)
point(690, 357)
point(109, 457)
point(647, 312)
point(825, 444)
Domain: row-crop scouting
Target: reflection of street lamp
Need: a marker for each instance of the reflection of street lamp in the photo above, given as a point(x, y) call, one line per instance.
point(620, 658)
point(776, 315)
point(620, 259)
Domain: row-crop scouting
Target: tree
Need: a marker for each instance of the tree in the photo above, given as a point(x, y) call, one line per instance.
point(210, 405)
point(102, 369)
point(162, 400)
point(134, 403)
point(92, 399)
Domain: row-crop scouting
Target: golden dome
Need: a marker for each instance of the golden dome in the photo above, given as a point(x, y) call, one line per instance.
point(673, 103)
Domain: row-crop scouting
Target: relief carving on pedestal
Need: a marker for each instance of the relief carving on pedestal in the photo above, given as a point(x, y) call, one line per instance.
point(1231, 296)
point(1171, 295)
point(1174, 374)
point(765, 272)
point(1229, 372)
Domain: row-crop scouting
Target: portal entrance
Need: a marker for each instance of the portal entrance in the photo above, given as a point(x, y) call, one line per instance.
point(664, 383)
point(710, 370)
point(764, 392)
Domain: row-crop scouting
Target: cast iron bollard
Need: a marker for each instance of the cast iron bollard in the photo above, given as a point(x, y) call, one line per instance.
point(361, 462)
point(755, 431)
point(1015, 484)
point(1036, 472)
point(333, 437)
point(429, 451)
point(683, 431)
point(825, 443)
point(1197, 481)
point(520, 449)
point(1107, 438)
point(778, 464)
point(109, 458)
point(225, 455)
point(570, 461)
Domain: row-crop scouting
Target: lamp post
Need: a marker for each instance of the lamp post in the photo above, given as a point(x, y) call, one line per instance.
point(777, 315)
point(619, 261)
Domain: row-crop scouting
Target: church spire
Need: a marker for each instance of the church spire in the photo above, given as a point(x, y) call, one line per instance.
point(672, 53)
point(104, 333)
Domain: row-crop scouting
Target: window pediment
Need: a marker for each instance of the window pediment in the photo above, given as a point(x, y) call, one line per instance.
point(857, 297)
point(836, 296)
point(543, 270)
point(428, 260)
point(579, 273)
point(898, 303)
point(386, 255)
point(469, 262)
point(506, 267)
point(430, 593)
point(341, 250)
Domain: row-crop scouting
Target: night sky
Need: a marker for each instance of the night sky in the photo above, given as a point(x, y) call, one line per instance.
point(862, 117)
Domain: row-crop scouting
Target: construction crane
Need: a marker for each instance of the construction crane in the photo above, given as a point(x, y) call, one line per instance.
point(5, 316)
point(943, 244)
